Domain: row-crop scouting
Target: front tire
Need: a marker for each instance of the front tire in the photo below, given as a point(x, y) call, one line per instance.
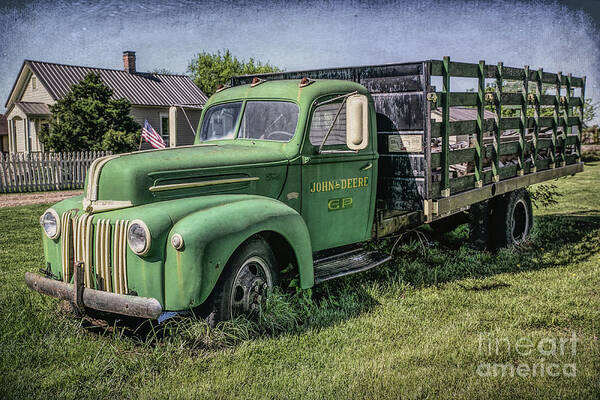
point(512, 219)
point(249, 276)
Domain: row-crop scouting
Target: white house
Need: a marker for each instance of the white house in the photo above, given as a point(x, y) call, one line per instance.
point(171, 103)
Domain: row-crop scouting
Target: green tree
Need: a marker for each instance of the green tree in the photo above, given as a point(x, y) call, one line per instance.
point(208, 70)
point(87, 118)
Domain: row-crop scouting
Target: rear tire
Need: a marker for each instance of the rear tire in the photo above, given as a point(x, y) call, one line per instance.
point(244, 284)
point(512, 219)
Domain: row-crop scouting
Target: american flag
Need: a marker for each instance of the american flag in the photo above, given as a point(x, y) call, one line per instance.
point(150, 136)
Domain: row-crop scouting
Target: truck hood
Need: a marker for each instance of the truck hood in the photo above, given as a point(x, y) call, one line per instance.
point(132, 179)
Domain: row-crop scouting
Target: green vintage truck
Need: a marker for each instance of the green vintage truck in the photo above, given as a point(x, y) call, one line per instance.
point(292, 173)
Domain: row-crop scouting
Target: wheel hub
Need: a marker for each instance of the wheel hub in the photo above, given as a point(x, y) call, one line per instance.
point(249, 289)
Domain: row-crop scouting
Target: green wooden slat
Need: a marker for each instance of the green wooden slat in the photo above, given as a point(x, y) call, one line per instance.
point(509, 172)
point(549, 78)
point(571, 139)
point(577, 101)
point(508, 148)
point(498, 121)
point(524, 121)
point(459, 99)
point(445, 188)
point(546, 122)
point(571, 158)
point(547, 99)
point(480, 127)
point(577, 82)
point(569, 107)
point(511, 99)
point(437, 67)
point(555, 122)
point(512, 73)
point(454, 157)
point(542, 164)
point(461, 127)
point(464, 70)
point(462, 183)
point(544, 143)
point(581, 109)
point(536, 116)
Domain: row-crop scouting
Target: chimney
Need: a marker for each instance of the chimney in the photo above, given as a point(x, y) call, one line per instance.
point(129, 61)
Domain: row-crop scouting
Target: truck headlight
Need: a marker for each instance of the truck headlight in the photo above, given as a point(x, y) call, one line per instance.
point(138, 237)
point(49, 222)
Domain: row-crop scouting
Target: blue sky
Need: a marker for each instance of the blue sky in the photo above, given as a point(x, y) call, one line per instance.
point(294, 35)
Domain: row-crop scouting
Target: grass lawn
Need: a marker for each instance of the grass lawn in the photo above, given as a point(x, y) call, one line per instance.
point(441, 321)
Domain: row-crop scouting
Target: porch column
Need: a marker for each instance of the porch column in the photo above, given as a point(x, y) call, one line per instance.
point(172, 126)
point(27, 135)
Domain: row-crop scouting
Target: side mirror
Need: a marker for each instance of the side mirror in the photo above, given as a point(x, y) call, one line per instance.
point(357, 122)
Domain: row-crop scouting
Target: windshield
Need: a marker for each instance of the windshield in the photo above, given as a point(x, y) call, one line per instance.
point(220, 121)
point(262, 120)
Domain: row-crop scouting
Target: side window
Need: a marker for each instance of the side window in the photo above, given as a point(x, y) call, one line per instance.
point(322, 119)
point(164, 127)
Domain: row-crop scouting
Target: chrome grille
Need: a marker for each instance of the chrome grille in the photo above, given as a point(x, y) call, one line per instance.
point(120, 257)
point(86, 241)
point(102, 254)
point(83, 241)
point(66, 245)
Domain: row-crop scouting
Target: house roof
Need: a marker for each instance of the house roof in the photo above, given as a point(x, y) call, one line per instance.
point(139, 88)
point(462, 114)
point(3, 125)
point(33, 108)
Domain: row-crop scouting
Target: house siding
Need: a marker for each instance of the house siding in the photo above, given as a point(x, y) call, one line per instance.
point(19, 126)
point(38, 95)
point(151, 114)
point(185, 135)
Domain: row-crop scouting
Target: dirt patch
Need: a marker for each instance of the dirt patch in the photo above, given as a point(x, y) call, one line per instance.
point(21, 199)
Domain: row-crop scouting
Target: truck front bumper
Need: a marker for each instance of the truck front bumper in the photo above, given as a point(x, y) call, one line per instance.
point(143, 307)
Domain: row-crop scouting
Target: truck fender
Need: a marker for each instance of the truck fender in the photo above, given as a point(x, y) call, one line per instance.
point(210, 237)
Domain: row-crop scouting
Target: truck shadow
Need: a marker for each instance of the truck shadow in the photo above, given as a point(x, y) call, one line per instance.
point(557, 240)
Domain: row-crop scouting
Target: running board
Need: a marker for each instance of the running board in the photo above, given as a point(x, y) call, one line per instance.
point(346, 263)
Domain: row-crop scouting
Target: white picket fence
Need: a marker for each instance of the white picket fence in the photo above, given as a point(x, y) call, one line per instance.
point(33, 172)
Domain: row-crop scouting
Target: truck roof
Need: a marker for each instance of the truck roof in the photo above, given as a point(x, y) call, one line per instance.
point(286, 90)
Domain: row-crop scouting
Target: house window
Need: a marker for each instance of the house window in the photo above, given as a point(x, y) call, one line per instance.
point(33, 83)
point(164, 127)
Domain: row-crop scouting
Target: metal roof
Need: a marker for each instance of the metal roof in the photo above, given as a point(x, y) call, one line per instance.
point(461, 114)
point(139, 88)
point(33, 108)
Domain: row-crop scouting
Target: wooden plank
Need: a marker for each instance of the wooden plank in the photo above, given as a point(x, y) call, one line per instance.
point(523, 116)
point(536, 116)
point(455, 157)
point(511, 99)
point(436, 68)
point(546, 99)
point(549, 78)
point(479, 147)
point(464, 70)
point(445, 188)
point(511, 73)
point(498, 121)
point(581, 113)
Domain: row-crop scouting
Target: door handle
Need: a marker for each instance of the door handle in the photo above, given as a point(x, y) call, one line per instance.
point(366, 167)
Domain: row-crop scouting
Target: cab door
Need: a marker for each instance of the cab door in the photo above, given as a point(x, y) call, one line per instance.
point(338, 184)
